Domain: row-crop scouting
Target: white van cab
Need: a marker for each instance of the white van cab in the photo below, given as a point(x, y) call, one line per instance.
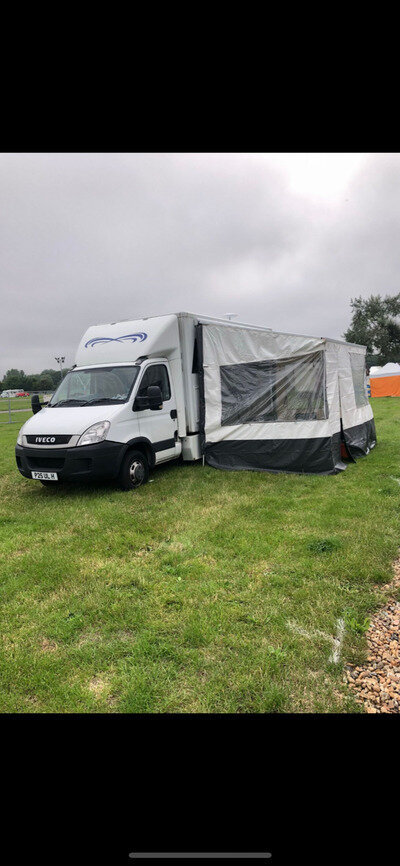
point(129, 402)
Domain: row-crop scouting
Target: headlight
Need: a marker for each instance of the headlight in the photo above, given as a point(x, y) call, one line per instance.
point(19, 437)
point(95, 433)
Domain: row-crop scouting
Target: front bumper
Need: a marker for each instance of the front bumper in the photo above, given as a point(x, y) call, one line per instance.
point(88, 461)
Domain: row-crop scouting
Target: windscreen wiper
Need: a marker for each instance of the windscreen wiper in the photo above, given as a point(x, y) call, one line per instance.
point(104, 400)
point(70, 402)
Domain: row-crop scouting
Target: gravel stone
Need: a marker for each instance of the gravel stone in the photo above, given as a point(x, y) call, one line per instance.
point(377, 683)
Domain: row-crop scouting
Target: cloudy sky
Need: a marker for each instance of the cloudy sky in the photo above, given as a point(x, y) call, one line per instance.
point(283, 240)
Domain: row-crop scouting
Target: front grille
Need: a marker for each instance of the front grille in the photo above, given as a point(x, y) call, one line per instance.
point(37, 462)
point(55, 440)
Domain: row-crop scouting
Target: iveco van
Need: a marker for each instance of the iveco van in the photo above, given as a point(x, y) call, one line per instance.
point(129, 403)
point(241, 396)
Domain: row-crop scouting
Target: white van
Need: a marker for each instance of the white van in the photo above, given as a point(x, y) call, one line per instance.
point(242, 396)
point(129, 402)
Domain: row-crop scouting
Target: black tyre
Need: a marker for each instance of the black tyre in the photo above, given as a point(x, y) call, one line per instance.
point(134, 471)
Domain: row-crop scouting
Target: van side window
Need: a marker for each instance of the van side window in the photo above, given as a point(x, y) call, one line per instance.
point(157, 374)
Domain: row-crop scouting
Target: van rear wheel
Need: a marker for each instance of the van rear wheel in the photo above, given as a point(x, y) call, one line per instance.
point(134, 471)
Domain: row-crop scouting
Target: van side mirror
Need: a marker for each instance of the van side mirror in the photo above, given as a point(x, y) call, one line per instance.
point(152, 400)
point(35, 403)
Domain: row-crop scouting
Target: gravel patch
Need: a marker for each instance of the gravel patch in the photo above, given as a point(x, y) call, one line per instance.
point(377, 684)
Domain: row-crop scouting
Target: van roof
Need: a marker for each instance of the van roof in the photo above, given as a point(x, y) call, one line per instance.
point(202, 319)
point(224, 321)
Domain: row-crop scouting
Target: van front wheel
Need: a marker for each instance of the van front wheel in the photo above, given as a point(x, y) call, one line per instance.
point(134, 471)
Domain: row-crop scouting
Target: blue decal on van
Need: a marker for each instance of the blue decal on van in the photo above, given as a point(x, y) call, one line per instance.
point(131, 338)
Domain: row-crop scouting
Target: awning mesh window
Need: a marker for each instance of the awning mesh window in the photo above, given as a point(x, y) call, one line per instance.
point(280, 390)
point(357, 363)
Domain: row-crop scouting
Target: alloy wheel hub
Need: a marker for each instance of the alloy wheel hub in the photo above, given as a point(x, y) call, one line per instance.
point(136, 472)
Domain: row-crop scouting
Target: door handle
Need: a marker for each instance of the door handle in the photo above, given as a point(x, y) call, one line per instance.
point(173, 413)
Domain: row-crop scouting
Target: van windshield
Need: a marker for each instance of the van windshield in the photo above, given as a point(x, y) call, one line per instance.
point(95, 386)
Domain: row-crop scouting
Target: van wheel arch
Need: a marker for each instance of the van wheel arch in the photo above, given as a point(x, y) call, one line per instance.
point(143, 445)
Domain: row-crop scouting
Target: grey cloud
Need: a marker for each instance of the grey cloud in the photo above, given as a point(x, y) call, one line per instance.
point(88, 238)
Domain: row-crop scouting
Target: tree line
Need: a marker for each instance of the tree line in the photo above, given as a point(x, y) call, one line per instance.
point(47, 380)
point(375, 325)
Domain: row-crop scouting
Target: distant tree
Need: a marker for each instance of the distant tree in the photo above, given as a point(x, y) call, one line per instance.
point(375, 325)
point(55, 376)
point(45, 383)
point(14, 379)
point(32, 382)
point(46, 380)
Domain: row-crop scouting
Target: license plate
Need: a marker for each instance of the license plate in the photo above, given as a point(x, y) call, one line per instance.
point(45, 476)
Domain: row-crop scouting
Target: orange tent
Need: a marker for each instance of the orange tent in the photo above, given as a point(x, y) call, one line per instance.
point(385, 381)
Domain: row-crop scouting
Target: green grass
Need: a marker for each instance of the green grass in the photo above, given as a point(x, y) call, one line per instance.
point(16, 403)
point(17, 419)
point(204, 591)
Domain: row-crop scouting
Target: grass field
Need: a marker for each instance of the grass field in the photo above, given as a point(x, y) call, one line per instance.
point(204, 591)
point(17, 420)
point(16, 403)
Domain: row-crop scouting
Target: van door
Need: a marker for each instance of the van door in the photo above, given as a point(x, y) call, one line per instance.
point(160, 426)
